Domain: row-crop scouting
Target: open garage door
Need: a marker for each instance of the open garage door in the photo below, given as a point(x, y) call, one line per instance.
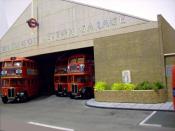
point(46, 64)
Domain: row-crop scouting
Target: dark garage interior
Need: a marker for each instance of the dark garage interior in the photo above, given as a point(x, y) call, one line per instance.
point(46, 66)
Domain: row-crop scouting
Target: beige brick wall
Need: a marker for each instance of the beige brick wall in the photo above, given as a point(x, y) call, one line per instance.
point(134, 96)
point(167, 37)
point(139, 52)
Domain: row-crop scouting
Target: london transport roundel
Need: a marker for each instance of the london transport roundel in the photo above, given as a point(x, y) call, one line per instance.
point(32, 23)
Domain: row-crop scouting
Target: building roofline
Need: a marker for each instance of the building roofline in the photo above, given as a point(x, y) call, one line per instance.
point(15, 21)
point(83, 4)
point(112, 11)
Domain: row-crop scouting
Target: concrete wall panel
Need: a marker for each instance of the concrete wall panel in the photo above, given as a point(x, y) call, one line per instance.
point(167, 35)
point(138, 52)
point(62, 22)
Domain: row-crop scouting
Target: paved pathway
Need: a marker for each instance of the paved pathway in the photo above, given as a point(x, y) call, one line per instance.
point(168, 106)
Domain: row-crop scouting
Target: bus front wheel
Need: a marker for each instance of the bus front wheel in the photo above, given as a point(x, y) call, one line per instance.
point(4, 100)
point(72, 96)
point(24, 98)
point(87, 93)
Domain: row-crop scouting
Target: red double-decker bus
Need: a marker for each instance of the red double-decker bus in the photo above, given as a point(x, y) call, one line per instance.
point(19, 79)
point(81, 75)
point(61, 78)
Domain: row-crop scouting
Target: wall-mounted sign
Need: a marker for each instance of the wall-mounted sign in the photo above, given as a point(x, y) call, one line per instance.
point(32, 23)
point(126, 76)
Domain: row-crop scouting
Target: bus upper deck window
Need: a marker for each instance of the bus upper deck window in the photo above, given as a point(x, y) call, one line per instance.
point(27, 64)
point(17, 63)
point(34, 66)
point(7, 64)
point(31, 65)
point(73, 60)
point(81, 60)
point(5, 82)
point(24, 63)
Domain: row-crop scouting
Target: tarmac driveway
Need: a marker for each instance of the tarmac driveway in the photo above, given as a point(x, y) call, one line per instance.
point(53, 113)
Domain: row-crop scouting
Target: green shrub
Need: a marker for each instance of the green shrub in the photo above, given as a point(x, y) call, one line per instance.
point(149, 86)
point(117, 86)
point(100, 86)
point(144, 86)
point(123, 86)
point(157, 86)
point(129, 86)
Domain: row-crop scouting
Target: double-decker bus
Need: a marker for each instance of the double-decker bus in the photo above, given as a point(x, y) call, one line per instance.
point(19, 77)
point(61, 77)
point(81, 75)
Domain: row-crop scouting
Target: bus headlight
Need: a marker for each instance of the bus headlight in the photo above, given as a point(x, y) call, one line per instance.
point(18, 71)
point(82, 66)
point(3, 72)
point(20, 93)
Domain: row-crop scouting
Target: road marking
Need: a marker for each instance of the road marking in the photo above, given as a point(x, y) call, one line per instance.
point(143, 123)
point(50, 126)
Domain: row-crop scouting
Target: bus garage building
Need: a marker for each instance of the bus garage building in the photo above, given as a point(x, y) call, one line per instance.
point(118, 41)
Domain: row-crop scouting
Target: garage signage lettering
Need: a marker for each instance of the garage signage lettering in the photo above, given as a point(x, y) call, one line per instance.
point(86, 28)
point(19, 44)
point(69, 32)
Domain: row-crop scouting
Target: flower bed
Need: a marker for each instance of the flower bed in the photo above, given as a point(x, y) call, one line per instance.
point(144, 92)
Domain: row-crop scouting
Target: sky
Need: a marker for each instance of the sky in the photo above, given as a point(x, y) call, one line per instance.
point(10, 10)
